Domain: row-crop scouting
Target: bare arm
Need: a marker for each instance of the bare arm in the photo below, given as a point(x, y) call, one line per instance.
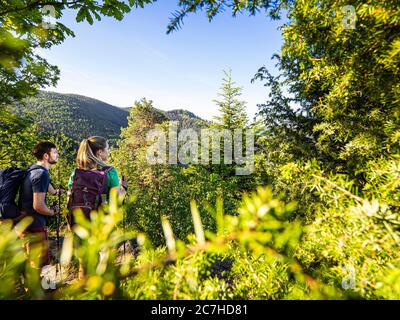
point(39, 204)
point(52, 190)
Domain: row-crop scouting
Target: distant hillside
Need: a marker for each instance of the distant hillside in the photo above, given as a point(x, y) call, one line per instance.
point(79, 117)
point(74, 115)
point(185, 118)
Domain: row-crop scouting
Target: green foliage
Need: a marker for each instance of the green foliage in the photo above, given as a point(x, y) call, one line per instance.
point(60, 174)
point(254, 245)
point(20, 280)
point(13, 260)
point(171, 196)
point(162, 189)
point(261, 253)
point(343, 79)
point(96, 248)
point(212, 8)
point(22, 71)
point(18, 136)
point(327, 141)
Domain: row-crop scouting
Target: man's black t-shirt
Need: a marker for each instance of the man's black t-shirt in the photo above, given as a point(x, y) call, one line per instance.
point(37, 180)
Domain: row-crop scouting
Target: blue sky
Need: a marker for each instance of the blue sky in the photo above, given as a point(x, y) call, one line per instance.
point(120, 62)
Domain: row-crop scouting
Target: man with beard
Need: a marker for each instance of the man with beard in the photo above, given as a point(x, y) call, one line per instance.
point(32, 202)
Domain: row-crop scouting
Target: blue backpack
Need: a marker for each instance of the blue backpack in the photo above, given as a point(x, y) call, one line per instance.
point(10, 182)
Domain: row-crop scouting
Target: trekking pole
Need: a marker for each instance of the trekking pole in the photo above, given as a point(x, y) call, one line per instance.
point(58, 241)
point(124, 227)
point(55, 204)
point(58, 220)
point(123, 216)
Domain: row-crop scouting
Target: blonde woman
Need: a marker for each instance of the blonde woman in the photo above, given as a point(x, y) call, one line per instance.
point(90, 184)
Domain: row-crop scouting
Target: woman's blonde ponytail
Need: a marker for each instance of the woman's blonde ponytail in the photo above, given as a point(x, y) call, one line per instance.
point(86, 158)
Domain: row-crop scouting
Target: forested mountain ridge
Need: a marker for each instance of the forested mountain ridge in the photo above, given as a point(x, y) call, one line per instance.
point(185, 118)
point(74, 115)
point(79, 116)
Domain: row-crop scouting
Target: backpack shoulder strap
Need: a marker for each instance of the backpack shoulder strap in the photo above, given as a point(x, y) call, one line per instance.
point(31, 169)
point(106, 170)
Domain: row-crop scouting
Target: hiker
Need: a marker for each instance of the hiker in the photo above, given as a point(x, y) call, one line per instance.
point(32, 200)
point(90, 184)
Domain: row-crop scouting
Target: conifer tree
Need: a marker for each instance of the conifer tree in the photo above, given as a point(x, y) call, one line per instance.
point(231, 108)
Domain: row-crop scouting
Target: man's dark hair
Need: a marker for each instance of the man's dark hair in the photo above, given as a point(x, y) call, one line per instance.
point(42, 148)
